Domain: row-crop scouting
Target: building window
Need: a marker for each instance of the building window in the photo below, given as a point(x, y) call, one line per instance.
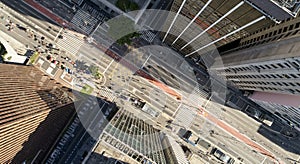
point(294, 76)
point(291, 27)
point(288, 34)
point(273, 76)
point(270, 34)
point(268, 76)
point(297, 25)
point(279, 31)
point(279, 76)
point(280, 65)
point(285, 29)
point(287, 65)
point(295, 32)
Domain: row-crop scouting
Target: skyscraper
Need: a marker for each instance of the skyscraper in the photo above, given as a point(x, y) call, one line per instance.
point(33, 112)
point(220, 21)
point(266, 63)
point(134, 140)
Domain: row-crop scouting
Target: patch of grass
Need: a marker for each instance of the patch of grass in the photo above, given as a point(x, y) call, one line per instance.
point(122, 30)
point(33, 57)
point(86, 89)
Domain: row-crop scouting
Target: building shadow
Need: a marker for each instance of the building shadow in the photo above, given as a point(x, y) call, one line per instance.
point(103, 159)
point(57, 120)
point(45, 135)
point(284, 137)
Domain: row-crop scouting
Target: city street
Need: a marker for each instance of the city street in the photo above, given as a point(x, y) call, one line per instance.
point(234, 129)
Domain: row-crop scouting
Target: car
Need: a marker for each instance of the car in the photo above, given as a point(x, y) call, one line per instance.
point(69, 71)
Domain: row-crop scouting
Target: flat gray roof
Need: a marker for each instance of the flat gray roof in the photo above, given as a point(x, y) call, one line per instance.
point(272, 9)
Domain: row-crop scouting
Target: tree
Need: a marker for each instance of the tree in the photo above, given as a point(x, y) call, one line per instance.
point(95, 72)
point(127, 5)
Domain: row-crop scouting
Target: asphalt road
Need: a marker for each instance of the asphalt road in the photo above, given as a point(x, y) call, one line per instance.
point(237, 122)
point(30, 17)
point(85, 134)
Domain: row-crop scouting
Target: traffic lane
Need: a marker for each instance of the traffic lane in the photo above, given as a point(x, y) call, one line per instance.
point(248, 126)
point(187, 77)
point(71, 154)
point(142, 73)
point(26, 24)
point(95, 54)
point(16, 34)
point(223, 137)
point(91, 112)
point(174, 82)
point(238, 148)
point(189, 82)
point(70, 146)
point(38, 18)
point(19, 6)
point(288, 148)
point(152, 94)
point(88, 144)
point(22, 36)
point(240, 136)
point(57, 7)
point(33, 16)
point(46, 12)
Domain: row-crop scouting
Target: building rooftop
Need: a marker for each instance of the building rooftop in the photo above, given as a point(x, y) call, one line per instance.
point(11, 56)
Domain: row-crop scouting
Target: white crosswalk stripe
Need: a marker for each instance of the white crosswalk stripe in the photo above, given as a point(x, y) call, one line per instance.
point(107, 93)
point(148, 36)
point(70, 43)
point(84, 21)
point(185, 116)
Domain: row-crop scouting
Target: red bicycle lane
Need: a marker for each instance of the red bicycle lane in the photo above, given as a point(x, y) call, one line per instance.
point(237, 135)
point(47, 12)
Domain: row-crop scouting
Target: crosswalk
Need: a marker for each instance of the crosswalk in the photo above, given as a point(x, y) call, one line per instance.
point(185, 116)
point(148, 36)
point(87, 18)
point(107, 93)
point(84, 21)
point(93, 12)
point(70, 43)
